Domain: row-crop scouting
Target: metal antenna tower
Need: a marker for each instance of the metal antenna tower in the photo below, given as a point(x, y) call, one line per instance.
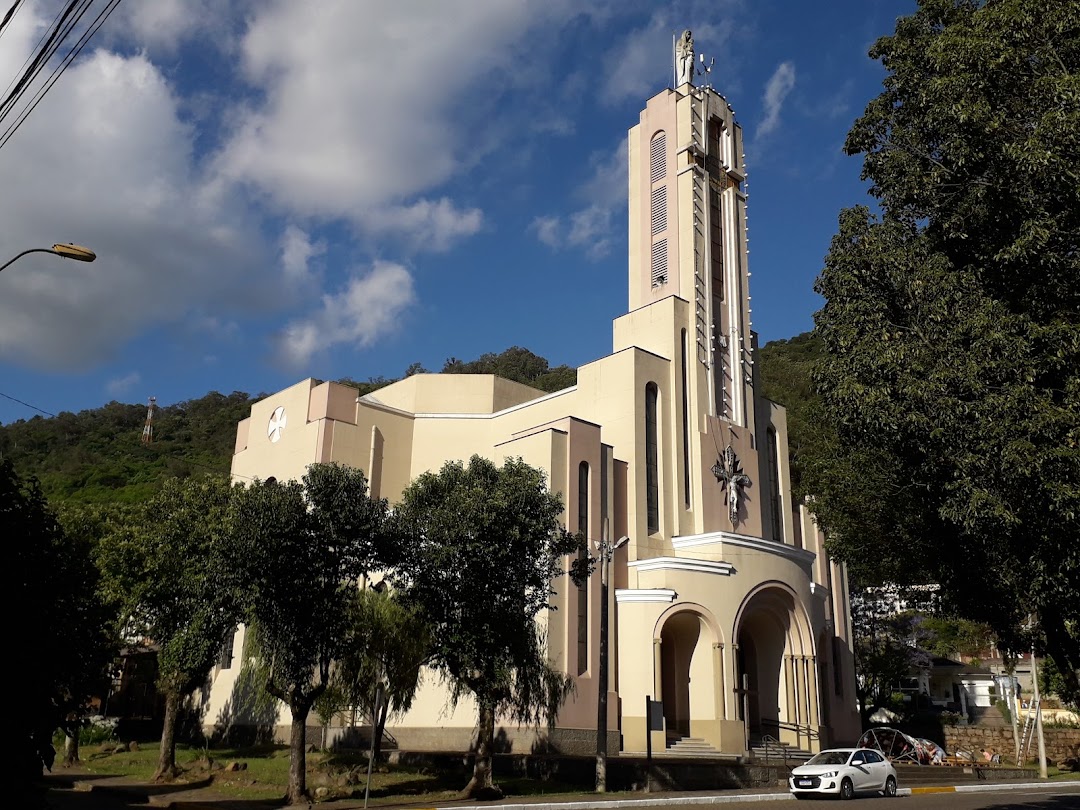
point(148, 428)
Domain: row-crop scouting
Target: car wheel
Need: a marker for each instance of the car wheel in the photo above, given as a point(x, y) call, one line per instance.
point(890, 788)
point(847, 790)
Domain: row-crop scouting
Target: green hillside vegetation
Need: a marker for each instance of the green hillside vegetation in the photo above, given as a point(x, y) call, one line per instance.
point(97, 456)
point(785, 369)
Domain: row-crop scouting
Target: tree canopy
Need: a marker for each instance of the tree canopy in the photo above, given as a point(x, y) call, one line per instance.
point(60, 620)
point(951, 378)
point(163, 569)
point(481, 546)
point(296, 551)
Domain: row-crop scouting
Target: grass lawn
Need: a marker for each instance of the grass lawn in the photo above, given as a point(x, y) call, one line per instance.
point(267, 769)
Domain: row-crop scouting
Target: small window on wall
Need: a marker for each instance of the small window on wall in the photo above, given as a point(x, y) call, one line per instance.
point(658, 157)
point(583, 587)
point(652, 473)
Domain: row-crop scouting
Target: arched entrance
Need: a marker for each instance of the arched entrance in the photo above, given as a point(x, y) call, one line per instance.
point(689, 674)
point(774, 686)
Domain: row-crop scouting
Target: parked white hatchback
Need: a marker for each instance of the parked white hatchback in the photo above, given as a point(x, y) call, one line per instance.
point(844, 772)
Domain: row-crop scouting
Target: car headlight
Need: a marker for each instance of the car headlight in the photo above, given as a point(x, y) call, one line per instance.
point(829, 774)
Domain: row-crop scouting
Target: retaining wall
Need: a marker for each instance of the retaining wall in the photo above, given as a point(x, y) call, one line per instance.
point(1061, 743)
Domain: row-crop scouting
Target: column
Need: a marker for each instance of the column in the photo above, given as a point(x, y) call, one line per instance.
point(789, 689)
point(735, 685)
point(815, 693)
point(658, 670)
point(720, 692)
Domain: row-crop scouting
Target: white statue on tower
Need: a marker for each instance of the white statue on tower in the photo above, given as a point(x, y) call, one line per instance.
point(684, 59)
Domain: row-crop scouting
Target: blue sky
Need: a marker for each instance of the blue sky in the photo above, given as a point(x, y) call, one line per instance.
point(278, 190)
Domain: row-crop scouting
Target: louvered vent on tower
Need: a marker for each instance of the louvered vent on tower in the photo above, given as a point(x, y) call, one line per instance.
point(659, 262)
point(658, 157)
point(659, 209)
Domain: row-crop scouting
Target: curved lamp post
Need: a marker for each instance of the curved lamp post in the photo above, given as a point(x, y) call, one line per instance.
point(76, 252)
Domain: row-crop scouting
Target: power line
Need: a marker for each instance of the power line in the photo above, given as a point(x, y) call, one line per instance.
point(62, 67)
point(8, 17)
point(27, 404)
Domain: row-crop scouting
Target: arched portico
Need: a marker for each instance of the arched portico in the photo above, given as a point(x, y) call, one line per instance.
point(690, 672)
point(775, 669)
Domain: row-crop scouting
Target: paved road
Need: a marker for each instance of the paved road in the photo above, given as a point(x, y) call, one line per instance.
point(1052, 796)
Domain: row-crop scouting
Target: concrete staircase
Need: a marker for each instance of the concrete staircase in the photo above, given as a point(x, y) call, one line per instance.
point(689, 747)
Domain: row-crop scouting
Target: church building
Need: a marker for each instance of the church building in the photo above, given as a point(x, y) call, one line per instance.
point(725, 610)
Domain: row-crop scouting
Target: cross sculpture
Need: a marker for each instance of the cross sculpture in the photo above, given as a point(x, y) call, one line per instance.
point(728, 470)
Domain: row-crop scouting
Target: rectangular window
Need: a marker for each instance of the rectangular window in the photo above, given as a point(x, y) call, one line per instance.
point(583, 588)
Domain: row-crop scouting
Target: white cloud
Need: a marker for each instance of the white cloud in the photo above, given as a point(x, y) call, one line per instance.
point(640, 65)
point(369, 307)
point(547, 230)
point(427, 225)
point(297, 251)
point(106, 161)
point(121, 385)
point(590, 227)
point(776, 90)
point(366, 108)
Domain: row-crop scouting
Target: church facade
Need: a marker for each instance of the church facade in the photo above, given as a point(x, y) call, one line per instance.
point(725, 610)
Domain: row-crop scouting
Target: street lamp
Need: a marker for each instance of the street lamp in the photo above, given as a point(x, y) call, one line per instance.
point(606, 552)
point(69, 251)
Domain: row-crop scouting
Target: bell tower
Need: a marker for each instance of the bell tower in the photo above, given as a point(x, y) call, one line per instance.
point(687, 220)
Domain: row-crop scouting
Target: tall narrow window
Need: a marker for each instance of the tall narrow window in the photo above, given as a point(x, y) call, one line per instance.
point(652, 477)
point(685, 427)
point(774, 488)
point(658, 157)
point(583, 588)
point(225, 657)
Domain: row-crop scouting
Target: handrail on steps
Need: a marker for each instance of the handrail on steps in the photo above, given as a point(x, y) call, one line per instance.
point(801, 731)
point(768, 741)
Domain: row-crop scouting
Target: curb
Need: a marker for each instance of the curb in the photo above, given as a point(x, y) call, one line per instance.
point(742, 797)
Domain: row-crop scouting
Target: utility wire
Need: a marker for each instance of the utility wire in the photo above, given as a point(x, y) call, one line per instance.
point(52, 40)
point(79, 9)
point(7, 17)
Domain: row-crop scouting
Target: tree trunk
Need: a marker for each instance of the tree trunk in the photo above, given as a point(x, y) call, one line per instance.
point(297, 791)
point(166, 768)
point(71, 743)
point(481, 786)
point(379, 728)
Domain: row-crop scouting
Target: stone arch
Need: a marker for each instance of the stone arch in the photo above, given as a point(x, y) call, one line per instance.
point(690, 670)
point(775, 664)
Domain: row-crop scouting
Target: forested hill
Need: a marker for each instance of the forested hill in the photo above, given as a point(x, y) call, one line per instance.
point(97, 455)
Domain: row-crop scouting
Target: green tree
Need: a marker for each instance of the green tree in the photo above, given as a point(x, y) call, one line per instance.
point(296, 552)
point(59, 618)
point(387, 641)
point(481, 547)
point(163, 571)
point(951, 378)
point(84, 526)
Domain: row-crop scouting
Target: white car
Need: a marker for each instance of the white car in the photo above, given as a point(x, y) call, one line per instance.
point(844, 772)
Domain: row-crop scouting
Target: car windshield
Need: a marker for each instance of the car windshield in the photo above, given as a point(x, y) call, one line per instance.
point(829, 758)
